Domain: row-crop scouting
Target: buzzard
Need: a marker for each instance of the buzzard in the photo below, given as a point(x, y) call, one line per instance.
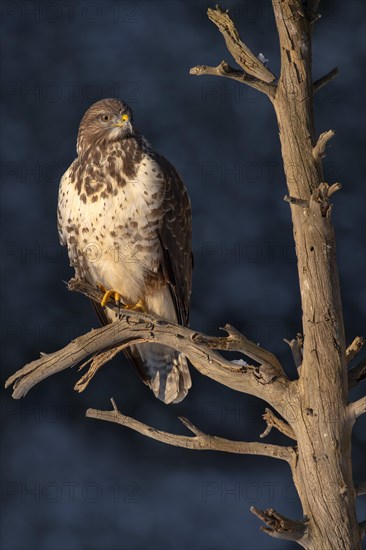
point(125, 216)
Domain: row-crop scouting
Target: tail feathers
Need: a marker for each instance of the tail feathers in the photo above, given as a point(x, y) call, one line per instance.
point(166, 370)
point(163, 369)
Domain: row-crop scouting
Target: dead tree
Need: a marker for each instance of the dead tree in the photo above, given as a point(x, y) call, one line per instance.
point(313, 411)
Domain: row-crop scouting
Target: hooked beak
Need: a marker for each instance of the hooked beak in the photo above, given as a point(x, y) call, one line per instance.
point(122, 121)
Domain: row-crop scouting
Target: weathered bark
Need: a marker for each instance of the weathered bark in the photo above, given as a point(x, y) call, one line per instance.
point(323, 473)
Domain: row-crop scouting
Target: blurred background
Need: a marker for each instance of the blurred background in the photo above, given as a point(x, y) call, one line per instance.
point(76, 483)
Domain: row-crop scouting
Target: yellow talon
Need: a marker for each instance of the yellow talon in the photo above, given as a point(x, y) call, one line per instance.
point(108, 294)
point(139, 306)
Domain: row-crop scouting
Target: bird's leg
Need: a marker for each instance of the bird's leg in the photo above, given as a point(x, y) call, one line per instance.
point(108, 294)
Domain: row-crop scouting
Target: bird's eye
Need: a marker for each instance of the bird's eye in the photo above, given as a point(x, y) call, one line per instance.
point(105, 118)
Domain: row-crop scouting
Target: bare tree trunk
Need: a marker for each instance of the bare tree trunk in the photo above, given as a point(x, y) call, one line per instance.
point(323, 473)
point(315, 410)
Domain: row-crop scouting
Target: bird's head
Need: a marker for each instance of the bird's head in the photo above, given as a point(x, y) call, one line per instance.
point(106, 120)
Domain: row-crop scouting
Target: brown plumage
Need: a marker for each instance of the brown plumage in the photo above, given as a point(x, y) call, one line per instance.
point(125, 217)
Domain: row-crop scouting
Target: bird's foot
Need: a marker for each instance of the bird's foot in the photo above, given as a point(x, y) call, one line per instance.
point(116, 296)
point(109, 294)
point(139, 306)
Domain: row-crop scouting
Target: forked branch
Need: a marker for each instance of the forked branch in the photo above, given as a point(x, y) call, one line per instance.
point(240, 51)
point(225, 70)
point(200, 441)
point(279, 526)
point(274, 422)
point(253, 72)
point(267, 380)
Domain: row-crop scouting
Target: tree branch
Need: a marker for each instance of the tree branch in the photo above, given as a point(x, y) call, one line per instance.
point(357, 408)
point(318, 84)
point(361, 489)
point(279, 526)
point(235, 341)
point(312, 7)
point(225, 70)
point(357, 374)
point(354, 348)
point(270, 366)
point(267, 380)
point(319, 149)
point(200, 441)
point(296, 345)
point(96, 362)
point(240, 51)
point(274, 422)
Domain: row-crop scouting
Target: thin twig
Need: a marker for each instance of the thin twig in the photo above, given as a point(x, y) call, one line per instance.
point(311, 7)
point(361, 489)
point(354, 348)
point(296, 350)
point(274, 422)
point(297, 201)
point(357, 373)
point(224, 70)
point(334, 188)
point(318, 84)
point(319, 149)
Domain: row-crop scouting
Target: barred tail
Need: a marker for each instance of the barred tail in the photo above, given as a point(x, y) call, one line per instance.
point(165, 369)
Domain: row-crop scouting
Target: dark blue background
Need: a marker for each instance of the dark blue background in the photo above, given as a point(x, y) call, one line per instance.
point(69, 482)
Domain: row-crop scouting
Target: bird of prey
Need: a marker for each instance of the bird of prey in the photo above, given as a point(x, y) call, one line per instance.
point(125, 216)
